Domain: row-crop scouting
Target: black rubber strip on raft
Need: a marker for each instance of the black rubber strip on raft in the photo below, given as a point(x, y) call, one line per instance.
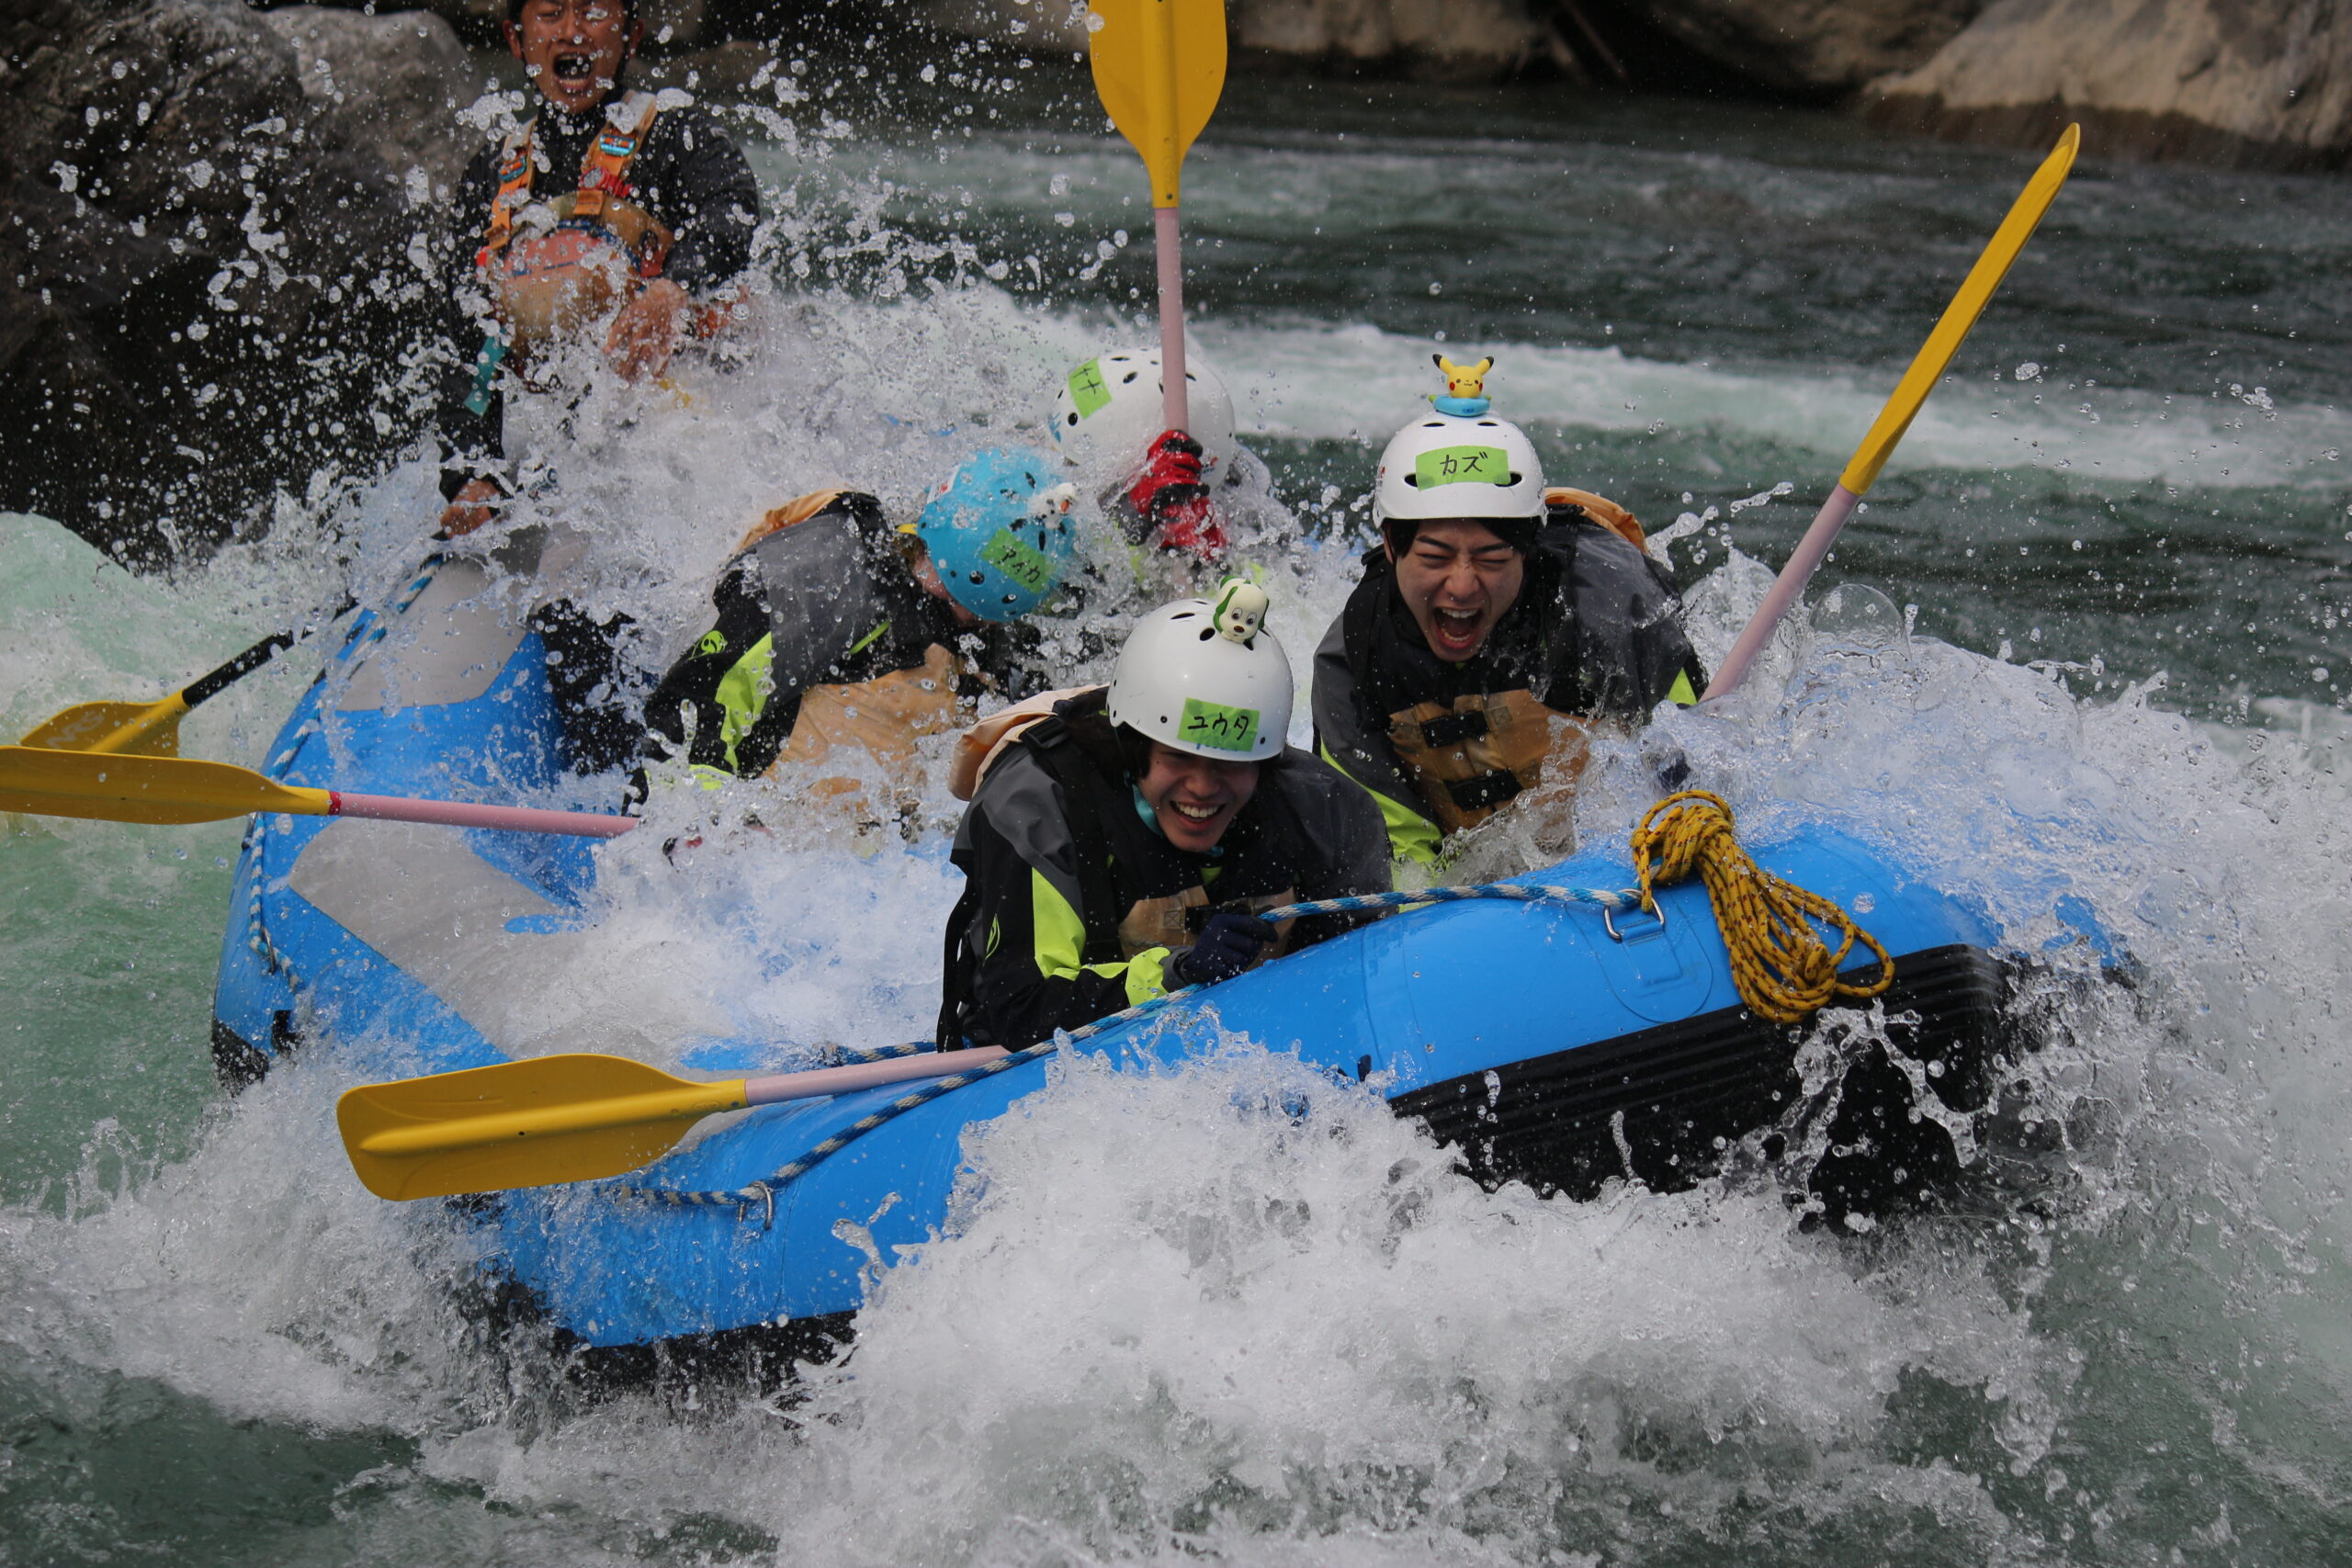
point(235, 1062)
point(238, 1063)
point(1680, 1096)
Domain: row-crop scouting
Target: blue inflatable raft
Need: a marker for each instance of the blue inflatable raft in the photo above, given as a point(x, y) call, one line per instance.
point(1618, 1050)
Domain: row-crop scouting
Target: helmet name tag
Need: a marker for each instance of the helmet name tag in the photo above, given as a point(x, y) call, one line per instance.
point(1460, 464)
point(1217, 725)
point(1019, 560)
point(1087, 390)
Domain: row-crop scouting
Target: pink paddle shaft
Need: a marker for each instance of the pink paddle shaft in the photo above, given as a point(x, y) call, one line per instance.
point(460, 814)
point(777, 1087)
point(1810, 552)
point(1174, 413)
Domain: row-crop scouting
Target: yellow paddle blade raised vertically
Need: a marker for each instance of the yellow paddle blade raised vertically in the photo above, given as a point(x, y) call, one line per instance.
point(531, 1124)
point(1975, 293)
point(1159, 66)
point(124, 787)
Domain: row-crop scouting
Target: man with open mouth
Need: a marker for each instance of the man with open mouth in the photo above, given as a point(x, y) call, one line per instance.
point(608, 222)
point(1495, 624)
point(605, 234)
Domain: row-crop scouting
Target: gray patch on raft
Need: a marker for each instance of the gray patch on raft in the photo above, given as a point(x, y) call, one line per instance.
point(428, 904)
point(449, 646)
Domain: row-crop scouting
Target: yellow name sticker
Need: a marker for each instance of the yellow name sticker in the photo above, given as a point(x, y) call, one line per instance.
point(1019, 560)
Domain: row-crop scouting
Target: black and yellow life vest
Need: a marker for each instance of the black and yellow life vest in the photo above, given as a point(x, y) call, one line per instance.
point(823, 640)
point(1077, 746)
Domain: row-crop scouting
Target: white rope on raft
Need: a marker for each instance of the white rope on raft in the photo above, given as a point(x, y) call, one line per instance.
point(760, 1195)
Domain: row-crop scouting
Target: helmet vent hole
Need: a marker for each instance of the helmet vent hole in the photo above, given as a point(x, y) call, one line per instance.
point(1073, 418)
point(1489, 424)
point(1130, 376)
point(1512, 480)
point(1208, 632)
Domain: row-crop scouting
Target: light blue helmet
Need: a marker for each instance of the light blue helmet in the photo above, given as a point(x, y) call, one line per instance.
point(998, 530)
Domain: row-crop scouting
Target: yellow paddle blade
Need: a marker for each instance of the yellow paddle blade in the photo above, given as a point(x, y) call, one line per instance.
point(122, 788)
point(1961, 314)
point(532, 1123)
point(1159, 66)
point(145, 729)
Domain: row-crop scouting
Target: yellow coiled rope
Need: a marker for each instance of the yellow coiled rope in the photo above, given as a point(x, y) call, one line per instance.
point(1784, 970)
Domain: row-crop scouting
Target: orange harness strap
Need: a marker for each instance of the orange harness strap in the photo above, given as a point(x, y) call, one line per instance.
point(513, 190)
point(604, 177)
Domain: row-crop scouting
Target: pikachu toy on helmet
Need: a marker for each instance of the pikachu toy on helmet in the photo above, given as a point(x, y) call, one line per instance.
point(1120, 842)
point(613, 222)
point(1498, 620)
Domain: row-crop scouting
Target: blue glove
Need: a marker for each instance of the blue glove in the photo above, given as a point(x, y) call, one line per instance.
point(1227, 945)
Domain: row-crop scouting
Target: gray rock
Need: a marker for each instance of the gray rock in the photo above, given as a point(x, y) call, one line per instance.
point(1472, 41)
point(2255, 83)
point(1461, 41)
point(211, 284)
point(1814, 47)
point(395, 82)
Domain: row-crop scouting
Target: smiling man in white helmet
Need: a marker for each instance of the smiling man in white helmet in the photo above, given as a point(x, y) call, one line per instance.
point(1119, 847)
point(1498, 620)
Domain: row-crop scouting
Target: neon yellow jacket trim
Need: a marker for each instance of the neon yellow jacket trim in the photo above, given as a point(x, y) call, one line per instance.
point(1060, 937)
point(1412, 838)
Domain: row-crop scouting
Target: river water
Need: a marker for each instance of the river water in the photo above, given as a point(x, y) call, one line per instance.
point(1166, 1331)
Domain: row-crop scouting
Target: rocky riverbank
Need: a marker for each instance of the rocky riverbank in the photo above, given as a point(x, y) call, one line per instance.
point(2260, 82)
point(213, 224)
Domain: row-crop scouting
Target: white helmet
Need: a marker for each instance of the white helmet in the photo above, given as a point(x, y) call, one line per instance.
point(1447, 466)
point(1109, 410)
point(1189, 685)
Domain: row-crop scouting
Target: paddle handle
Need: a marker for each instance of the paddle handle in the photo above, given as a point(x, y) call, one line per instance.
point(1175, 413)
point(463, 814)
point(777, 1087)
point(1810, 551)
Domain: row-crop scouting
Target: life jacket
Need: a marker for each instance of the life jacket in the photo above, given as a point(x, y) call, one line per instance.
point(979, 747)
point(553, 266)
point(1601, 510)
point(884, 715)
point(1469, 761)
point(744, 727)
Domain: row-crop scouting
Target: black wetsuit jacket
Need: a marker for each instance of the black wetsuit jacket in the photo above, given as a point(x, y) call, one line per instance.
point(834, 600)
point(688, 174)
point(1056, 854)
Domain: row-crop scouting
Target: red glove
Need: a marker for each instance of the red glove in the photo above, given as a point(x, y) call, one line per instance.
point(1170, 497)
